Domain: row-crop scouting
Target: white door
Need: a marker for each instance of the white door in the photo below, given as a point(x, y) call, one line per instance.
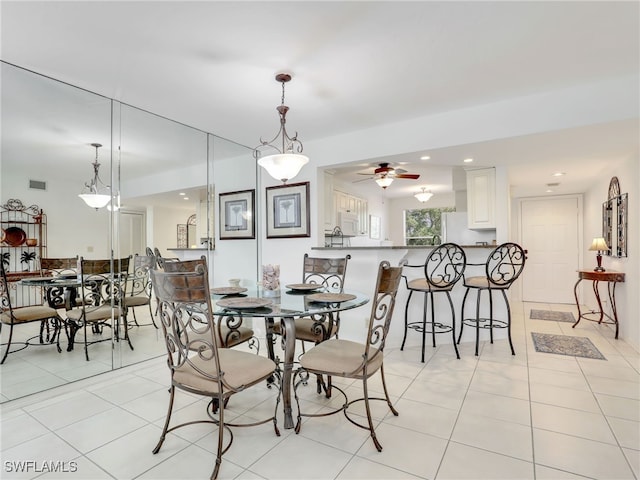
point(132, 233)
point(549, 232)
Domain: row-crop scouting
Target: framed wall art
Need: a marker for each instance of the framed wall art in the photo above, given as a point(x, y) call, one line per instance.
point(288, 211)
point(237, 219)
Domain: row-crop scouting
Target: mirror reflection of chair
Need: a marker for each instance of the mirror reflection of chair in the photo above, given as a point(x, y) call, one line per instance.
point(139, 288)
point(197, 363)
point(354, 360)
point(442, 269)
point(103, 287)
point(54, 267)
point(503, 266)
point(231, 330)
point(14, 316)
point(160, 260)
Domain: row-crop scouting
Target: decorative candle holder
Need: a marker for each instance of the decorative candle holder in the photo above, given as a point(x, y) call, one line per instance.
point(271, 280)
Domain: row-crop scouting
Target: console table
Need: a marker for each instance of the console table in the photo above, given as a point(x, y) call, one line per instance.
point(612, 279)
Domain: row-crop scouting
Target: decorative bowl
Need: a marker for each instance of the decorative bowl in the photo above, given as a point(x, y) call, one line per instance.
point(31, 242)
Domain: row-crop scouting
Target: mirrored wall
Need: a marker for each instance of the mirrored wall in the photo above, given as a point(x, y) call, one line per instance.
point(161, 174)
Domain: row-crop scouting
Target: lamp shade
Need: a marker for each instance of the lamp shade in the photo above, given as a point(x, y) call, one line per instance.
point(283, 166)
point(384, 182)
point(598, 244)
point(95, 200)
point(423, 196)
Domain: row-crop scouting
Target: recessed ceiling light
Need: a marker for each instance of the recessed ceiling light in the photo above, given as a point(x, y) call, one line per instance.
point(549, 191)
point(425, 157)
point(185, 198)
point(558, 174)
point(468, 160)
point(182, 193)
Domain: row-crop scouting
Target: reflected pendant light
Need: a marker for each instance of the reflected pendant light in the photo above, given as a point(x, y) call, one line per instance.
point(423, 196)
point(287, 162)
point(95, 193)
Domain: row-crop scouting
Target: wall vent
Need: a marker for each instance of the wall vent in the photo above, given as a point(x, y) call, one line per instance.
point(37, 184)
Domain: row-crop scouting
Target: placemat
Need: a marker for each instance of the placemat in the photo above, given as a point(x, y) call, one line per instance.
point(331, 297)
point(303, 286)
point(240, 303)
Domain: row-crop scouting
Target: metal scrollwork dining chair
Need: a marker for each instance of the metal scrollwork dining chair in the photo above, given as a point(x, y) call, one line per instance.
point(348, 359)
point(13, 316)
point(196, 360)
point(139, 288)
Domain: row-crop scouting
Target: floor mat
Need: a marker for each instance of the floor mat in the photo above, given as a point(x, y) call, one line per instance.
point(565, 345)
point(552, 315)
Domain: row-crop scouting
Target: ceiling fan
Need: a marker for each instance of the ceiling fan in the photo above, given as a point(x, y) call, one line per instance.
point(385, 174)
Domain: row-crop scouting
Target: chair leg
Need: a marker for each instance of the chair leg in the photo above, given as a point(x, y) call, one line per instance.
point(135, 320)
point(406, 319)
point(172, 392)
point(478, 320)
point(464, 300)
point(433, 320)
point(386, 393)
point(453, 326)
point(372, 431)
point(216, 469)
point(86, 345)
point(491, 316)
point(6, 352)
point(506, 301)
point(153, 321)
point(424, 323)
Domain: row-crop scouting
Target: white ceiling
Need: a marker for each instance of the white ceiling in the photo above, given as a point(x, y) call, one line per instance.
point(356, 65)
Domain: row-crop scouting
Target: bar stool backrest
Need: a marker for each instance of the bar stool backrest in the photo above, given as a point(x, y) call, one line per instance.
point(445, 265)
point(505, 264)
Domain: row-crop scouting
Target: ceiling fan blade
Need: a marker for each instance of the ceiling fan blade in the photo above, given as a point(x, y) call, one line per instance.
point(370, 174)
point(400, 170)
point(411, 176)
point(362, 180)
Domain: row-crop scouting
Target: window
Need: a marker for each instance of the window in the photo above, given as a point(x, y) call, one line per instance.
point(424, 226)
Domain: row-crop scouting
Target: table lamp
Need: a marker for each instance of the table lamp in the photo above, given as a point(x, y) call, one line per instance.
point(598, 245)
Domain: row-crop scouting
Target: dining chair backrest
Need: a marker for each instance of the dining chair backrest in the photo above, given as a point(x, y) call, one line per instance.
point(5, 297)
point(185, 265)
point(187, 323)
point(445, 265)
point(328, 272)
point(140, 281)
point(384, 300)
point(58, 266)
point(505, 264)
point(103, 281)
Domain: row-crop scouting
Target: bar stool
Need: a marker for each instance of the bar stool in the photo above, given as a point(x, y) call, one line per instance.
point(442, 269)
point(503, 266)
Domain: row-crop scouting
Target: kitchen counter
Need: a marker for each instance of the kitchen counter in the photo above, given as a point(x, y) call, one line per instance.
point(397, 247)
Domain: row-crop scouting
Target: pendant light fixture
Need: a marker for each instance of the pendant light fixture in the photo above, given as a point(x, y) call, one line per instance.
point(423, 196)
point(287, 162)
point(95, 193)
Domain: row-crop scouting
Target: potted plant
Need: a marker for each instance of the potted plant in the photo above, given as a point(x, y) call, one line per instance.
point(27, 258)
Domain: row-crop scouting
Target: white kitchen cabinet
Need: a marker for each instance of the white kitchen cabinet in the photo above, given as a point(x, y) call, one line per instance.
point(347, 203)
point(481, 198)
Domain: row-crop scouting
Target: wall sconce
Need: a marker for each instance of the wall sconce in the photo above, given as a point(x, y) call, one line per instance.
point(598, 245)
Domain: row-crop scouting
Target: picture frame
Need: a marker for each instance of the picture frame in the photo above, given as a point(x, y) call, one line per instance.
point(288, 211)
point(237, 215)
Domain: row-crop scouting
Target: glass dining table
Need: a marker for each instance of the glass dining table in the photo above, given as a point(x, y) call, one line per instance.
point(285, 306)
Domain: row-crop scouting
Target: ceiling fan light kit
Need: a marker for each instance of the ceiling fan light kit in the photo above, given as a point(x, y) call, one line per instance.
point(384, 175)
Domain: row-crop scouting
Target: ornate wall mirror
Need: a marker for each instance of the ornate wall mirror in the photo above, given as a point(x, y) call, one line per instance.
point(614, 220)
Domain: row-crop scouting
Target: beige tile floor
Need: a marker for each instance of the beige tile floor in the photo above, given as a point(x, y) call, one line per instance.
point(533, 415)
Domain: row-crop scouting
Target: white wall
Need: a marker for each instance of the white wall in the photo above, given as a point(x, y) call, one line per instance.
point(627, 298)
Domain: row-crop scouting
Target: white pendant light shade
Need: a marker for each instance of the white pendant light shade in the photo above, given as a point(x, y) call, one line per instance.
point(283, 166)
point(423, 196)
point(95, 200)
point(384, 182)
point(95, 193)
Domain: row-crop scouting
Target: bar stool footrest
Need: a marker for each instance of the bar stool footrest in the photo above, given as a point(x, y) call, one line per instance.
point(485, 323)
point(437, 327)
